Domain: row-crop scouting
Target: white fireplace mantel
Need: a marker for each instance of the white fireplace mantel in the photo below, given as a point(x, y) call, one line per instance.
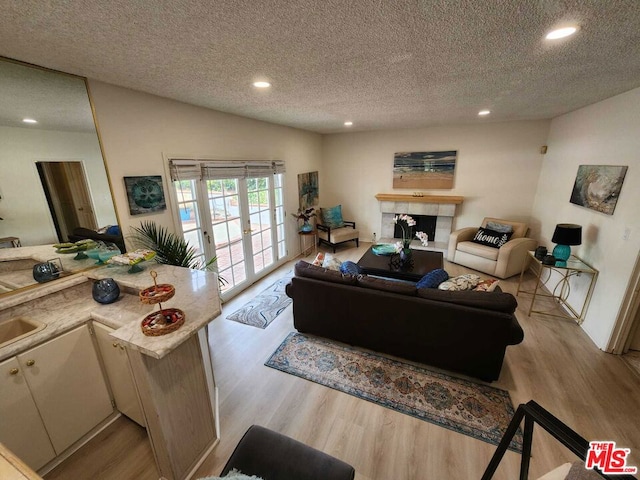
point(441, 206)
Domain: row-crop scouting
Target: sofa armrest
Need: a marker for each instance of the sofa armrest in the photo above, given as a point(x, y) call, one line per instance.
point(512, 256)
point(462, 235)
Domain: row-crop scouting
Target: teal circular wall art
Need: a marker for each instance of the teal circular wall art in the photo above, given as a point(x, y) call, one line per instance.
point(145, 194)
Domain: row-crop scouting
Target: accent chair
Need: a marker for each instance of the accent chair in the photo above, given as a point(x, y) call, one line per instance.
point(502, 262)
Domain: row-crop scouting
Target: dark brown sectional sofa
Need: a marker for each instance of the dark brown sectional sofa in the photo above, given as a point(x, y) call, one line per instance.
point(466, 332)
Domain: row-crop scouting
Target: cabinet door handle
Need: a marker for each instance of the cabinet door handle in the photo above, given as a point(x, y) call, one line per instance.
point(13, 371)
point(115, 345)
point(31, 363)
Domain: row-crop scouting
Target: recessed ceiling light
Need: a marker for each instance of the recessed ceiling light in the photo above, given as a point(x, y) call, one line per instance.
point(484, 112)
point(348, 124)
point(29, 120)
point(261, 84)
point(561, 33)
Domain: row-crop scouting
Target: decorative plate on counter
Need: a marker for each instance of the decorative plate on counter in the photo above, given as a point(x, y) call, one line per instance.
point(384, 249)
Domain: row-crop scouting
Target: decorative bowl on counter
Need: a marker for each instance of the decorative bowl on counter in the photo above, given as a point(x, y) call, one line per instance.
point(158, 293)
point(162, 322)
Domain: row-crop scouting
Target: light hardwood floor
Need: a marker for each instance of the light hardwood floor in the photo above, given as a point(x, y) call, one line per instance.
point(557, 365)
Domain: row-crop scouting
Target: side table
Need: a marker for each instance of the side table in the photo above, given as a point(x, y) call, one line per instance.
point(560, 292)
point(302, 235)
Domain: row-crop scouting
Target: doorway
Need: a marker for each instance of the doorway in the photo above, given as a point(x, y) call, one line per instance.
point(66, 189)
point(237, 219)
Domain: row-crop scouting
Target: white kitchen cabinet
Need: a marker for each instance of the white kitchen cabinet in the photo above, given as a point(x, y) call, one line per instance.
point(67, 385)
point(116, 363)
point(21, 428)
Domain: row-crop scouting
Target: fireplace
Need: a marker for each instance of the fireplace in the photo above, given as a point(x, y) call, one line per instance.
point(440, 207)
point(424, 223)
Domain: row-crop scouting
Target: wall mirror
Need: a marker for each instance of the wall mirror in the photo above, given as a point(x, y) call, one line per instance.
point(53, 174)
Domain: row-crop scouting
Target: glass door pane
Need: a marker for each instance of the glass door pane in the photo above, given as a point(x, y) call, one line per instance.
point(186, 194)
point(278, 203)
point(226, 224)
point(260, 213)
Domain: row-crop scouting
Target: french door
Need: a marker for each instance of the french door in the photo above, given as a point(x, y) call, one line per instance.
point(240, 221)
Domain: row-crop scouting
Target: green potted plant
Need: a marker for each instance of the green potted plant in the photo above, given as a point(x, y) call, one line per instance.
point(170, 248)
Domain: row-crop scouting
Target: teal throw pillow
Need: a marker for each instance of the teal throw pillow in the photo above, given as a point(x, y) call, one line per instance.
point(433, 279)
point(332, 217)
point(350, 268)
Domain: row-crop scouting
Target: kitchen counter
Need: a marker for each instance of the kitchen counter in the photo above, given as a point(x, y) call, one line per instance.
point(66, 303)
point(168, 370)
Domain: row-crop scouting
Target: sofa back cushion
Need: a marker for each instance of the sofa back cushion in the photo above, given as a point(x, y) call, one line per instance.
point(391, 286)
point(304, 269)
point(496, 301)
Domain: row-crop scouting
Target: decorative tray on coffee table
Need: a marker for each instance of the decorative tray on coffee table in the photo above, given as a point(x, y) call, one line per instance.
point(166, 320)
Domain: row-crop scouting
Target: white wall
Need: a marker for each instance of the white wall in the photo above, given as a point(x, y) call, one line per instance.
point(23, 205)
point(606, 133)
point(496, 171)
point(137, 129)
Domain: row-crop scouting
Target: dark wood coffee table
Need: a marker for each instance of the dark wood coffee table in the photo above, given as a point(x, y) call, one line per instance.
point(424, 261)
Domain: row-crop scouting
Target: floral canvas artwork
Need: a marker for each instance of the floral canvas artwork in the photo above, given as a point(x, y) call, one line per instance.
point(433, 170)
point(598, 187)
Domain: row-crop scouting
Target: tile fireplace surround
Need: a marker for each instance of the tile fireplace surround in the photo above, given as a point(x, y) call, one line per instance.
point(441, 206)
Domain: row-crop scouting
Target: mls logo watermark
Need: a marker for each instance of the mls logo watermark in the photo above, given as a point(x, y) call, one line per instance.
point(608, 459)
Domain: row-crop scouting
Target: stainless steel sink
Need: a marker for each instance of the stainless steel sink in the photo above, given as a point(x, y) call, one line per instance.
point(17, 329)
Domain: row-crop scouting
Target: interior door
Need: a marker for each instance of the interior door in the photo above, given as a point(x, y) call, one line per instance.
point(67, 193)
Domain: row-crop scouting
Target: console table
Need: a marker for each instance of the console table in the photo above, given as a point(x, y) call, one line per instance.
point(561, 290)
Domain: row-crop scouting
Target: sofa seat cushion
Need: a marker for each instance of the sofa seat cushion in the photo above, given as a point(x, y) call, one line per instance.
point(339, 235)
point(478, 250)
point(496, 301)
point(304, 269)
point(391, 286)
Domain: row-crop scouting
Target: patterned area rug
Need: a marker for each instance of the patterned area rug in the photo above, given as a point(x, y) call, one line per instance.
point(474, 409)
point(264, 309)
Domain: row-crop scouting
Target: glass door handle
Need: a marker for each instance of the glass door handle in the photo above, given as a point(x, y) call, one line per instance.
point(247, 231)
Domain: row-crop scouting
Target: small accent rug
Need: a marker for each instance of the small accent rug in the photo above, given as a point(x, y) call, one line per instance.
point(473, 409)
point(264, 308)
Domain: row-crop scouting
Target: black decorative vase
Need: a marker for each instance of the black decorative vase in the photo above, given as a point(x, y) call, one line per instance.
point(45, 272)
point(540, 253)
point(105, 290)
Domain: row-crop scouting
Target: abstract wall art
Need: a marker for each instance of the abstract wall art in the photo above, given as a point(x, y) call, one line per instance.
point(145, 194)
point(308, 189)
point(598, 187)
point(430, 170)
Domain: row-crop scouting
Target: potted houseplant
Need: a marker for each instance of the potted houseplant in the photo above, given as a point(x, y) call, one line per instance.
point(305, 215)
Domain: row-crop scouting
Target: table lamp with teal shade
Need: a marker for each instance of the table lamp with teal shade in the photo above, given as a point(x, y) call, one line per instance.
point(565, 235)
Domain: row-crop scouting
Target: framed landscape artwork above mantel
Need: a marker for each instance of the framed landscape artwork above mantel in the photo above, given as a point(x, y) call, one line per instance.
point(424, 170)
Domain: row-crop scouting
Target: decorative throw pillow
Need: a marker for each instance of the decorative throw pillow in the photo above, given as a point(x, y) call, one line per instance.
point(350, 268)
point(488, 285)
point(491, 238)
point(318, 260)
point(433, 279)
point(233, 475)
point(467, 281)
point(331, 263)
point(499, 227)
point(332, 217)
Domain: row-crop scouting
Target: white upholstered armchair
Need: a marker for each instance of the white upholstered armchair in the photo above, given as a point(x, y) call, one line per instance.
point(502, 262)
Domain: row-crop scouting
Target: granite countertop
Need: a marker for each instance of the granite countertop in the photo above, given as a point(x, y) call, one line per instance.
point(67, 303)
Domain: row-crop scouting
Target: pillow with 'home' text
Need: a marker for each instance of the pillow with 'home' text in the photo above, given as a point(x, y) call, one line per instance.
point(491, 238)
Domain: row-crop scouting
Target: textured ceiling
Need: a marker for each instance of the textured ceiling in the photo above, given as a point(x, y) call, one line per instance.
point(379, 63)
